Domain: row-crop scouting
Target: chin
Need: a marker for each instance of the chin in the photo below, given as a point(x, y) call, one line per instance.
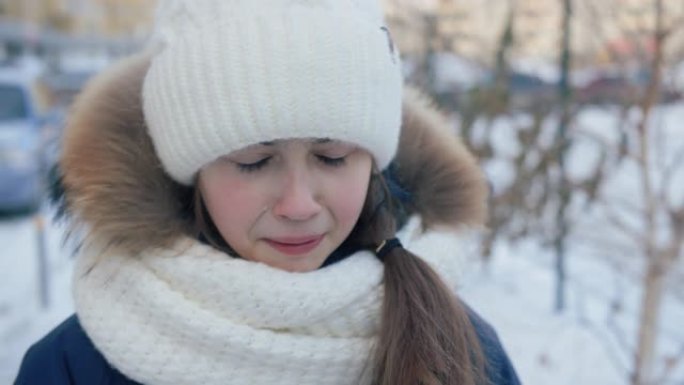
point(301, 267)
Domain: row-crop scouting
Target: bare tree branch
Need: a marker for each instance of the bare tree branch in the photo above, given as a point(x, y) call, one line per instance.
point(668, 175)
point(670, 365)
point(613, 204)
point(621, 225)
point(609, 148)
point(620, 336)
point(612, 354)
point(620, 248)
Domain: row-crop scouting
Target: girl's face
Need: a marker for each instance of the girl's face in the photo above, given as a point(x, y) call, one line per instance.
point(287, 203)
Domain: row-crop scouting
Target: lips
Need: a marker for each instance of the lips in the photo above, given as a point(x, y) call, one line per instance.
point(295, 245)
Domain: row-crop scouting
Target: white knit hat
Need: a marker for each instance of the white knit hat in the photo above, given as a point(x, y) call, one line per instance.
point(231, 73)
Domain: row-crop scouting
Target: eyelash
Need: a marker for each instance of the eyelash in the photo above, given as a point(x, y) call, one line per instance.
point(252, 167)
point(256, 166)
point(333, 162)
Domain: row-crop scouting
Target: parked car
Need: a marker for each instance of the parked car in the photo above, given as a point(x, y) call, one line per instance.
point(528, 91)
point(611, 89)
point(525, 91)
point(22, 161)
point(622, 90)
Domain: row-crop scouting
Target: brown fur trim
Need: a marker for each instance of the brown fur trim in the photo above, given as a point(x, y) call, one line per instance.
point(448, 187)
point(116, 189)
point(114, 183)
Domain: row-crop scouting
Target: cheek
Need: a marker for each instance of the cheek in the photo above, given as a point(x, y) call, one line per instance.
point(347, 206)
point(233, 206)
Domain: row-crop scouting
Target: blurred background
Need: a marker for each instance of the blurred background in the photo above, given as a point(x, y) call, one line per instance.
point(573, 107)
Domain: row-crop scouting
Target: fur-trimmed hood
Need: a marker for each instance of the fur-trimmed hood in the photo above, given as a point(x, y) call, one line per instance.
point(116, 190)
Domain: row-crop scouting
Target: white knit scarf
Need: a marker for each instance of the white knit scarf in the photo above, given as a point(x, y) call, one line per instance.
point(192, 315)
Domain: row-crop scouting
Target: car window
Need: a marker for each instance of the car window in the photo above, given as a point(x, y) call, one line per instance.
point(12, 103)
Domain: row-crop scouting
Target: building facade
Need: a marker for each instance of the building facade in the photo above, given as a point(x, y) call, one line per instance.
point(473, 28)
point(110, 18)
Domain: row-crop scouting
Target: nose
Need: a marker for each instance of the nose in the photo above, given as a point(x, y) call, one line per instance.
point(297, 200)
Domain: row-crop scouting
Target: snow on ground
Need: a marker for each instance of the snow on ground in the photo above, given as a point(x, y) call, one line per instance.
point(579, 346)
point(22, 319)
point(515, 294)
point(599, 328)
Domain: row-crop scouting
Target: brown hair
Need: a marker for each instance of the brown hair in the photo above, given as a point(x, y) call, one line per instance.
point(204, 227)
point(425, 337)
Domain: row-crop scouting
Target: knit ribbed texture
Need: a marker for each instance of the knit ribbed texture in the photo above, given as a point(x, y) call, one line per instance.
point(193, 315)
point(234, 73)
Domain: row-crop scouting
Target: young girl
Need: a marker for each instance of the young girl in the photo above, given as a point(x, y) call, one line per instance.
point(262, 203)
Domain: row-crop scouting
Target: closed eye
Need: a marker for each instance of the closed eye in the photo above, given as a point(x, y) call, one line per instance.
point(334, 162)
point(252, 167)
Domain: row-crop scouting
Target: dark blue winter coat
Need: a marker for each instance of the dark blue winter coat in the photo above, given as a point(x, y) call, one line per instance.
point(66, 356)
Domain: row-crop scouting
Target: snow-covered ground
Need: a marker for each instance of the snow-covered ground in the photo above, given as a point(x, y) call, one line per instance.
point(598, 330)
point(587, 344)
point(515, 294)
point(23, 320)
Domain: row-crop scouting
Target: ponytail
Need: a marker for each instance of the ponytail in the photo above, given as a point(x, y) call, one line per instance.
point(426, 337)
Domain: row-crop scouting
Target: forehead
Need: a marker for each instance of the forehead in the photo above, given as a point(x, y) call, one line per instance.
point(280, 143)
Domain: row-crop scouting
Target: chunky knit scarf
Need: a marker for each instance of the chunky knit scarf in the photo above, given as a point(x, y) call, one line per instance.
point(192, 315)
